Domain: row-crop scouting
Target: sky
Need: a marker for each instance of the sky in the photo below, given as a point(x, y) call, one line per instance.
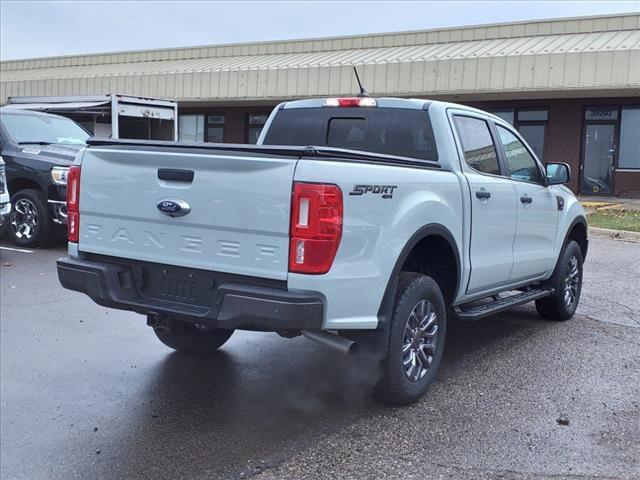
point(30, 28)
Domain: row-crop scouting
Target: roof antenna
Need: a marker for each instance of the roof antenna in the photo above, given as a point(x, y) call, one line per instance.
point(363, 92)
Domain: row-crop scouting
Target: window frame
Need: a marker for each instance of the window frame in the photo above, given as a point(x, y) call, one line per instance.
point(492, 133)
point(503, 155)
point(222, 125)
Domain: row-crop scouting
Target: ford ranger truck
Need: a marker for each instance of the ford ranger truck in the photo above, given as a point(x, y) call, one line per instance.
point(359, 223)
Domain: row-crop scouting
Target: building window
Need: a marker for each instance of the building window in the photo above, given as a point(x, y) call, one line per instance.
point(215, 128)
point(534, 136)
point(533, 115)
point(255, 123)
point(629, 156)
point(507, 115)
point(530, 122)
point(191, 128)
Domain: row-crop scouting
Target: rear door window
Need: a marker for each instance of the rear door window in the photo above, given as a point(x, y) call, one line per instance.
point(477, 144)
point(391, 131)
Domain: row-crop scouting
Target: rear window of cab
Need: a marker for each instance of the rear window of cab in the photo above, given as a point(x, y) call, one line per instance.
point(391, 131)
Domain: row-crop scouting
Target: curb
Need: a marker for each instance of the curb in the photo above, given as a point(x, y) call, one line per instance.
point(614, 234)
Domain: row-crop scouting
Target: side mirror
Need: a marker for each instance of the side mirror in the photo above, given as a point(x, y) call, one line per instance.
point(558, 173)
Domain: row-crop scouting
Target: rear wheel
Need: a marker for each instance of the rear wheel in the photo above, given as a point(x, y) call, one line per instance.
point(416, 340)
point(29, 223)
point(567, 283)
point(187, 338)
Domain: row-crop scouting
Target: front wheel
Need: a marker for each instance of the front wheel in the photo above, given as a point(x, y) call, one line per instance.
point(567, 284)
point(187, 338)
point(29, 223)
point(416, 340)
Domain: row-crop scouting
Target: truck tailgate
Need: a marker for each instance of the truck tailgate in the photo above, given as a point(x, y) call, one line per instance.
point(239, 218)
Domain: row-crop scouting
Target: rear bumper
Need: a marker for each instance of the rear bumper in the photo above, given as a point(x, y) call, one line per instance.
point(229, 302)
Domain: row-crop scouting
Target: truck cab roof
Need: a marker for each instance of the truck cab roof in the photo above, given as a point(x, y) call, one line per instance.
point(387, 102)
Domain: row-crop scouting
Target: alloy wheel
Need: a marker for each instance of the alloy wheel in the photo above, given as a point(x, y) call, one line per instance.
point(419, 342)
point(571, 282)
point(24, 219)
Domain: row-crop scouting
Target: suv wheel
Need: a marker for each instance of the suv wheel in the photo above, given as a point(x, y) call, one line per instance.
point(187, 338)
point(567, 283)
point(416, 340)
point(29, 222)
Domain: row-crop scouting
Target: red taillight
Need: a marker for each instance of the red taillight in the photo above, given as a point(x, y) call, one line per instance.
point(316, 227)
point(73, 204)
point(350, 102)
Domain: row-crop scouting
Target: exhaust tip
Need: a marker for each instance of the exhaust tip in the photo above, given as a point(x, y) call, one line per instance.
point(331, 340)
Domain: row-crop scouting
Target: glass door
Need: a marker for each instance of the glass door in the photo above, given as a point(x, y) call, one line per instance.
point(598, 161)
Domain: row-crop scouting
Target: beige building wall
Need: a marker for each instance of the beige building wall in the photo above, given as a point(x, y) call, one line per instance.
point(592, 56)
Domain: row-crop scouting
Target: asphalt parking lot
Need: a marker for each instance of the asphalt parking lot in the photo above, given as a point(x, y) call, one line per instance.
point(88, 392)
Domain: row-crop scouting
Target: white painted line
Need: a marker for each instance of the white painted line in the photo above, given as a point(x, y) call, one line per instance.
point(22, 250)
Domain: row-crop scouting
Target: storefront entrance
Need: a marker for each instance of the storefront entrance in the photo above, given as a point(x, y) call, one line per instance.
point(599, 149)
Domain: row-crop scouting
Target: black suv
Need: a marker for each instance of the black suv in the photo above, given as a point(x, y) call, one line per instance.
point(38, 149)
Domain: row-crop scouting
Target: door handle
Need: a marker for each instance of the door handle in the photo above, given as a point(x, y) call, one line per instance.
point(526, 199)
point(175, 175)
point(483, 194)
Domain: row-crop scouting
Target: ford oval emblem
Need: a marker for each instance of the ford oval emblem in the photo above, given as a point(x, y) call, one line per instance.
point(173, 207)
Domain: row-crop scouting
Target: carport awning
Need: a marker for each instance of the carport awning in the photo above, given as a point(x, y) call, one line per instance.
point(59, 107)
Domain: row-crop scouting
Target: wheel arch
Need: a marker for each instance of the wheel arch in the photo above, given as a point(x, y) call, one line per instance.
point(438, 234)
point(578, 231)
point(23, 183)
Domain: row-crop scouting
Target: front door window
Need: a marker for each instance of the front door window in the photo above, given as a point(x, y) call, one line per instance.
point(522, 166)
point(599, 150)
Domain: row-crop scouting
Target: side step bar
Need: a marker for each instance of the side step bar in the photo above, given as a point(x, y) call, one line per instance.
point(472, 313)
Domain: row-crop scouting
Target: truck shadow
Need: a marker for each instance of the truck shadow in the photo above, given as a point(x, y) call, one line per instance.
point(255, 403)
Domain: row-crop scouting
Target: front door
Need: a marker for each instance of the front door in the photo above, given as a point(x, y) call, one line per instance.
point(599, 151)
point(534, 244)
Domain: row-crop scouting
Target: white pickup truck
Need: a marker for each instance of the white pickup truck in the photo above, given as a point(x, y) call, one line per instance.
point(357, 222)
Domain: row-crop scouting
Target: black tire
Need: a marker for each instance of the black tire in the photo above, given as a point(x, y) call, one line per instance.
point(395, 386)
point(185, 337)
point(562, 304)
point(40, 233)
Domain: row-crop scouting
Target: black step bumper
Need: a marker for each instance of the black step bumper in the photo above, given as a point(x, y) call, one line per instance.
point(225, 301)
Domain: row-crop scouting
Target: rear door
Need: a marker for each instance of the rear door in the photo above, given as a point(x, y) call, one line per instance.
point(493, 205)
point(534, 245)
point(238, 208)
